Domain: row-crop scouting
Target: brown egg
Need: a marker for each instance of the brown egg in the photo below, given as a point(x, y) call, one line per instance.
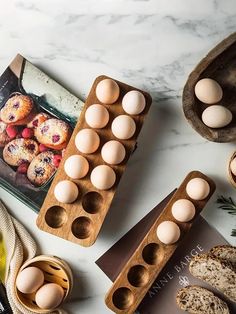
point(49, 296)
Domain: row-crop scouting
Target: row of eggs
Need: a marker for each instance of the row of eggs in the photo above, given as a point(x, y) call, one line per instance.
point(183, 210)
point(87, 140)
point(210, 92)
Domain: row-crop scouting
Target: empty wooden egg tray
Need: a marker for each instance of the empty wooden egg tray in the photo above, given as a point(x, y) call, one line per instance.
point(55, 271)
point(219, 65)
point(80, 222)
point(151, 256)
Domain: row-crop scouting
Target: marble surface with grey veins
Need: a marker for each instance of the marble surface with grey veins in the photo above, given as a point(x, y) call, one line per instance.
point(152, 44)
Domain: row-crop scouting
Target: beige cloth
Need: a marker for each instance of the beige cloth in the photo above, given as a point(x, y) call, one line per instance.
point(20, 247)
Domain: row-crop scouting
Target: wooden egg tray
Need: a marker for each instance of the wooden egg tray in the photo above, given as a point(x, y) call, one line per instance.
point(81, 221)
point(219, 64)
point(151, 255)
point(55, 271)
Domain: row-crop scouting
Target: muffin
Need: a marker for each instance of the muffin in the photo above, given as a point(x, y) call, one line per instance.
point(53, 133)
point(4, 138)
point(18, 110)
point(38, 119)
point(41, 168)
point(20, 150)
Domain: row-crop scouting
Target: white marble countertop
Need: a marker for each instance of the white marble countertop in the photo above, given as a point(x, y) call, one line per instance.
point(151, 44)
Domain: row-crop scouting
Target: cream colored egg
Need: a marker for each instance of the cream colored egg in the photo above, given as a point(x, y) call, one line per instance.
point(133, 102)
point(103, 177)
point(97, 116)
point(87, 141)
point(183, 210)
point(216, 116)
point(107, 91)
point(198, 189)
point(113, 152)
point(168, 232)
point(29, 280)
point(66, 192)
point(208, 91)
point(49, 296)
point(233, 166)
point(76, 166)
point(123, 127)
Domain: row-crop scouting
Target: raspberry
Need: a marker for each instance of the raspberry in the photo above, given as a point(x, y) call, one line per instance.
point(56, 160)
point(11, 131)
point(23, 168)
point(27, 133)
point(42, 148)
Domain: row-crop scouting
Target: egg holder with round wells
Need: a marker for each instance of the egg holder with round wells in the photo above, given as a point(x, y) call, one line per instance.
point(81, 221)
point(55, 271)
point(151, 255)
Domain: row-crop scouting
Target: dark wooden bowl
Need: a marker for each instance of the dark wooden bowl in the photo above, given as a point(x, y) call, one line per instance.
point(220, 65)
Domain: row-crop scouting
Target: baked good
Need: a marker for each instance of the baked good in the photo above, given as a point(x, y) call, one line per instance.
point(198, 300)
point(225, 252)
point(4, 138)
point(18, 110)
point(41, 168)
point(53, 133)
point(20, 150)
point(38, 119)
point(216, 272)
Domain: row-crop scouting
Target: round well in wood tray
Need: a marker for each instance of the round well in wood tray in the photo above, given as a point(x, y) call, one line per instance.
point(219, 65)
point(231, 176)
point(55, 271)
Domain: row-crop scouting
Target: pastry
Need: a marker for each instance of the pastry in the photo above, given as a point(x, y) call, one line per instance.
point(216, 272)
point(198, 300)
point(225, 252)
point(20, 150)
point(41, 168)
point(38, 119)
point(4, 138)
point(53, 133)
point(18, 110)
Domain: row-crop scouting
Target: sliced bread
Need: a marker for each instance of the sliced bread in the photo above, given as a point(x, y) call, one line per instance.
point(198, 300)
point(218, 273)
point(225, 252)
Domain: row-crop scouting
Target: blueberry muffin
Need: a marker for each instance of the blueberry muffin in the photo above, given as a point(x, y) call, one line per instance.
point(4, 138)
point(53, 133)
point(18, 110)
point(38, 119)
point(41, 168)
point(20, 150)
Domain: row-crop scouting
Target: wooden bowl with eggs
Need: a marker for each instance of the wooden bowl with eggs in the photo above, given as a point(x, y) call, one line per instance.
point(231, 167)
point(51, 270)
point(217, 95)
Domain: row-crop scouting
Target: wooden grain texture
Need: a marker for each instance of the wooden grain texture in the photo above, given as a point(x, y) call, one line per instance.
point(220, 65)
point(55, 271)
point(80, 222)
point(231, 176)
point(151, 255)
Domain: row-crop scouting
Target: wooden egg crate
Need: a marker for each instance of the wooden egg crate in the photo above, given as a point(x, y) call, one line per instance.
point(151, 255)
point(55, 271)
point(219, 65)
point(81, 221)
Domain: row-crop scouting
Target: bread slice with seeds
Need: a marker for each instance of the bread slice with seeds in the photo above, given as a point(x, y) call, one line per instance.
point(225, 252)
point(198, 300)
point(218, 273)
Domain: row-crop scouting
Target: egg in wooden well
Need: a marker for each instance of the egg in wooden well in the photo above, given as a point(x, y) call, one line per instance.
point(76, 166)
point(97, 116)
point(168, 232)
point(87, 141)
point(183, 210)
point(208, 91)
point(216, 116)
point(198, 189)
point(133, 102)
point(113, 152)
point(123, 127)
point(107, 91)
point(66, 191)
point(103, 177)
